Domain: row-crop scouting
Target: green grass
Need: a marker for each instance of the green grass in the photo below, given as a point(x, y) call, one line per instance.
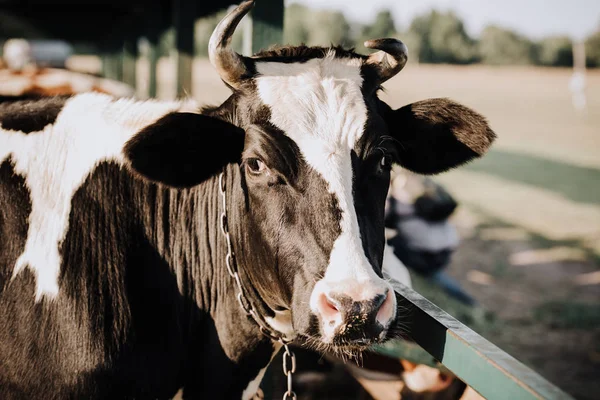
point(568, 315)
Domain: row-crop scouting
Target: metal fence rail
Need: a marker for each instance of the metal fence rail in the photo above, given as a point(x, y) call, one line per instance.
point(480, 364)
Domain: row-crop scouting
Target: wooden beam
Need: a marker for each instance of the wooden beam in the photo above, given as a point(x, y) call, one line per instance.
point(112, 64)
point(153, 20)
point(130, 56)
point(184, 14)
point(266, 26)
point(152, 65)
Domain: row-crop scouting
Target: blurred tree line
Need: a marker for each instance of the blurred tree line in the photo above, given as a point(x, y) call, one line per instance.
point(434, 37)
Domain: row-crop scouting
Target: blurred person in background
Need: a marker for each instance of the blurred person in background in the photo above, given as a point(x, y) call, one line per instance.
point(17, 54)
point(420, 232)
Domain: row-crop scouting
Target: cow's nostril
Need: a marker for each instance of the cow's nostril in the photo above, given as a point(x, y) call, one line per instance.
point(328, 307)
point(386, 308)
point(332, 305)
point(378, 301)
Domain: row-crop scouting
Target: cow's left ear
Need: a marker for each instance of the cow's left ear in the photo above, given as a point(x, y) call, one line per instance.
point(184, 149)
point(437, 134)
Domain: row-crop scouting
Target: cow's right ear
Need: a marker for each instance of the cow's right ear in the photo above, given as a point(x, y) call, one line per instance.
point(184, 149)
point(435, 135)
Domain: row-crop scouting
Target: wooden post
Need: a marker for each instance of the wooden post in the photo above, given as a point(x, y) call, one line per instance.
point(577, 84)
point(265, 27)
point(579, 56)
point(153, 22)
point(130, 55)
point(112, 64)
point(184, 13)
point(152, 65)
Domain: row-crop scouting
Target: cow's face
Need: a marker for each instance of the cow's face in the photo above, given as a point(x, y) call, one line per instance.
point(316, 167)
point(315, 157)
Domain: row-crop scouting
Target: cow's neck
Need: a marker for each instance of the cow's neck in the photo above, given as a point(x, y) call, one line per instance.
point(184, 227)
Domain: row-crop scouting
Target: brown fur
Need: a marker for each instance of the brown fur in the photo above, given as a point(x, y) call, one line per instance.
point(470, 129)
point(302, 53)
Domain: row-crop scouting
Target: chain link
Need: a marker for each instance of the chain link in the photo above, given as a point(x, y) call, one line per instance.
point(288, 369)
point(289, 358)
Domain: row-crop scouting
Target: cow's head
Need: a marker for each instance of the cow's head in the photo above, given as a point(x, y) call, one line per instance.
point(313, 155)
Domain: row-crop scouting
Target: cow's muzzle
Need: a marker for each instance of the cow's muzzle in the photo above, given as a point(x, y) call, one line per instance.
point(353, 313)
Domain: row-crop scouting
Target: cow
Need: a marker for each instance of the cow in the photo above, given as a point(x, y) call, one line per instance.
point(137, 236)
point(25, 76)
point(34, 82)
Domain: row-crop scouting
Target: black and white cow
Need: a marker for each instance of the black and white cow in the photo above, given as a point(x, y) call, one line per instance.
point(113, 282)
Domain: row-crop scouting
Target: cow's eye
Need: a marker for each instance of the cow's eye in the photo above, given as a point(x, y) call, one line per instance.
point(386, 162)
point(256, 166)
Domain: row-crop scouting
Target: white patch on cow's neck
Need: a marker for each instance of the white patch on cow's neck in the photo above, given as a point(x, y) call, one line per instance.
point(282, 322)
point(178, 395)
point(319, 104)
point(254, 384)
point(91, 128)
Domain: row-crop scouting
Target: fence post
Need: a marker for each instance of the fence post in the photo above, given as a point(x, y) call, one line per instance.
point(130, 56)
point(577, 84)
point(184, 15)
point(265, 27)
point(112, 63)
point(152, 64)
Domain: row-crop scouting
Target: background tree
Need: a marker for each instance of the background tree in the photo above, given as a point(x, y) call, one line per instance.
point(329, 27)
point(501, 46)
point(592, 49)
point(382, 27)
point(556, 51)
point(442, 38)
point(204, 28)
point(295, 29)
point(315, 27)
point(434, 37)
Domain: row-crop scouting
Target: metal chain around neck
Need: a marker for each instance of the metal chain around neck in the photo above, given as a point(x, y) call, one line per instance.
point(289, 358)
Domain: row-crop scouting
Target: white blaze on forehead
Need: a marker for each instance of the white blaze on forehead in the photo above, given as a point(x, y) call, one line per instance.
point(91, 128)
point(319, 104)
point(282, 322)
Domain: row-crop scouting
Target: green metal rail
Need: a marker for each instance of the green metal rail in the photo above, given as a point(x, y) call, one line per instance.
point(490, 371)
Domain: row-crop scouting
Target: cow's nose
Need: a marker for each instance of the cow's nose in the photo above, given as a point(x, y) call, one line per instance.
point(353, 319)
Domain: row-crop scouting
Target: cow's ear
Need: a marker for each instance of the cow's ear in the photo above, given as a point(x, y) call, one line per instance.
point(435, 135)
point(184, 149)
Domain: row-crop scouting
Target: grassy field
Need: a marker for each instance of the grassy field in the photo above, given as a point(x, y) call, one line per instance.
point(530, 210)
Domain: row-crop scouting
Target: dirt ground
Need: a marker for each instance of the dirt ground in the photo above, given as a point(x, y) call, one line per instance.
point(545, 314)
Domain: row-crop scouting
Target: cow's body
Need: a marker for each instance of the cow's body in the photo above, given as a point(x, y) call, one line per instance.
point(114, 280)
point(35, 82)
point(128, 300)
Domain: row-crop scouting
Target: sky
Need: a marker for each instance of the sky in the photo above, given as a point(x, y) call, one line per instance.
point(534, 18)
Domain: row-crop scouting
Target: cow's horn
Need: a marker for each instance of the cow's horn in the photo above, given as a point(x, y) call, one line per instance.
point(390, 59)
point(230, 65)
